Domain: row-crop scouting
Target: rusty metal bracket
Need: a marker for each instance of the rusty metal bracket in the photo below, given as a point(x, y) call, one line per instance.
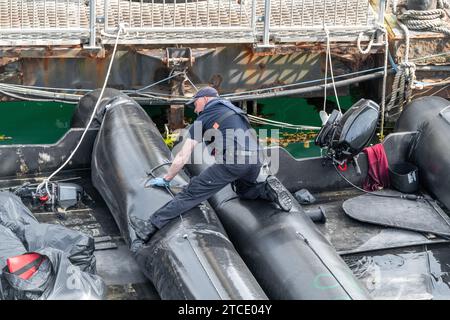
point(178, 58)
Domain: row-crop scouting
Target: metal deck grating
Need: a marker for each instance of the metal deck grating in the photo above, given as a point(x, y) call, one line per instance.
point(66, 22)
point(201, 14)
point(318, 12)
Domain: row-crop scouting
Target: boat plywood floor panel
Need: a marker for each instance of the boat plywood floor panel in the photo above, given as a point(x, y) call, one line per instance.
point(348, 235)
point(391, 263)
point(422, 215)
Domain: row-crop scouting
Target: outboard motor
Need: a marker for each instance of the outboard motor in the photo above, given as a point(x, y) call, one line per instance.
point(344, 136)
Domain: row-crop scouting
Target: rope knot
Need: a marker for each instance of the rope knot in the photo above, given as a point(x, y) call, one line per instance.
point(407, 65)
point(426, 20)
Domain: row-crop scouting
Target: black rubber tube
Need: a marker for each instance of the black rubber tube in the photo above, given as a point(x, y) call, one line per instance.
point(288, 256)
point(431, 151)
point(190, 258)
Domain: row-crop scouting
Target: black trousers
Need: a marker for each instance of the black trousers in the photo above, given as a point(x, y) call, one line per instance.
point(209, 182)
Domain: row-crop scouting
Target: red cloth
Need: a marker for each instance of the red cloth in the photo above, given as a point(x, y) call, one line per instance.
point(378, 171)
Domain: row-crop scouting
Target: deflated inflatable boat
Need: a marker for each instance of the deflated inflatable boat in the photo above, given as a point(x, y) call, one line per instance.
point(191, 258)
point(288, 256)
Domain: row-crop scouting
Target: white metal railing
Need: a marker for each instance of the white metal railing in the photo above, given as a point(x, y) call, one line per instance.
point(179, 15)
point(307, 14)
point(300, 16)
point(208, 20)
point(30, 19)
point(43, 15)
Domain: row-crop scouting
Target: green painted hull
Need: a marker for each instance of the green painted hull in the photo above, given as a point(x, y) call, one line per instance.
point(46, 122)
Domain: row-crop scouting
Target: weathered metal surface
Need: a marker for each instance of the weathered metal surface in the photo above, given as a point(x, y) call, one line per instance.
point(10, 73)
point(230, 69)
point(51, 52)
point(422, 43)
point(426, 48)
point(5, 61)
point(233, 69)
point(21, 160)
point(420, 48)
point(129, 70)
point(176, 117)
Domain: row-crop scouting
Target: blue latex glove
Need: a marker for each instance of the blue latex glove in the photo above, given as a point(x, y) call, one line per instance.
point(157, 182)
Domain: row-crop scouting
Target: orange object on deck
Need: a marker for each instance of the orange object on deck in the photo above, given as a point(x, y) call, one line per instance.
point(25, 265)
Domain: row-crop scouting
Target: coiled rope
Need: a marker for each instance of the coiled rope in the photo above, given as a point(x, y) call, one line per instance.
point(427, 20)
point(405, 78)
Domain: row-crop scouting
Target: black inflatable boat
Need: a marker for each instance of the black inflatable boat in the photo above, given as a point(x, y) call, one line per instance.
point(272, 254)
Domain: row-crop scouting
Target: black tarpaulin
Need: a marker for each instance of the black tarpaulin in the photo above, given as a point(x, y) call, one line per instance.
point(68, 267)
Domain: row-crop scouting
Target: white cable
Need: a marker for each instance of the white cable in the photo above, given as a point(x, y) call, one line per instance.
point(280, 124)
point(74, 97)
point(53, 88)
point(326, 72)
point(385, 76)
point(160, 81)
point(430, 84)
point(192, 83)
point(25, 90)
point(287, 126)
point(47, 180)
point(331, 70)
point(431, 56)
point(443, 88)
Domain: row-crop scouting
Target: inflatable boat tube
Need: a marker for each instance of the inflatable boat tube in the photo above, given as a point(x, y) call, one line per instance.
point(190, 258)
point(287, 255)
point(431, 151)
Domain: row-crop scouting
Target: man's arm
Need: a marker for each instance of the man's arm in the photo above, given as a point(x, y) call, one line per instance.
point(181, 158)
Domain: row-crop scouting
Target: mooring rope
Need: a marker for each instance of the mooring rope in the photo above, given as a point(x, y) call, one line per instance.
point(46, 181)
point(427, 20)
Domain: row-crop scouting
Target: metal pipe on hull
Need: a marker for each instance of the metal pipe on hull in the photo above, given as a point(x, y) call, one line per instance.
point(286, 253)
point(191, 258)
point(431, 117)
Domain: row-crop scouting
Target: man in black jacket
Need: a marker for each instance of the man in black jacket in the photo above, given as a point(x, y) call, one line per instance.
point(237, 162)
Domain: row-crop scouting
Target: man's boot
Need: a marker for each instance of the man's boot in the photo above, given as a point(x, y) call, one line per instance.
point(278, 193)
point(144, 228)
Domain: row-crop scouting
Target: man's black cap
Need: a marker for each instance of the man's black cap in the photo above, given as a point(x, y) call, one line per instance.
point(203, 92)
